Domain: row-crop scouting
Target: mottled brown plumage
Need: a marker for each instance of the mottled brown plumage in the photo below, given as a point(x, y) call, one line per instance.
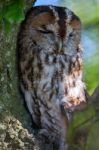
point(50, 66)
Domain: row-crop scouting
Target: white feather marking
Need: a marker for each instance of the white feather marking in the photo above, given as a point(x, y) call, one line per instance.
point(54, 12)
point(69, 15)
point(28, 99)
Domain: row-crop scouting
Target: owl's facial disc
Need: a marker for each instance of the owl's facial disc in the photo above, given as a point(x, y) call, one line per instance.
point(43, 18)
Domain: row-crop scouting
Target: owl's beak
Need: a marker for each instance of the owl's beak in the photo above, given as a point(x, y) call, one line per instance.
point(59, 45)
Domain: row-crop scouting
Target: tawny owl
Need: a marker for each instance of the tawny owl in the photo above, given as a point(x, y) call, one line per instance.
point(50, 65)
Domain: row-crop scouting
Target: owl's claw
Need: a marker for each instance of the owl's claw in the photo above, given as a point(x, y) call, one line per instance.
point(72, 107)
point(69, 107)
point(66, 109)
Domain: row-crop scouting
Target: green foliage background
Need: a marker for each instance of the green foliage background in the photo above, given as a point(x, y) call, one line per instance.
point(11, 12)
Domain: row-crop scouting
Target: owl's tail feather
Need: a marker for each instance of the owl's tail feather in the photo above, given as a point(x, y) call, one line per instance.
point(50, 142)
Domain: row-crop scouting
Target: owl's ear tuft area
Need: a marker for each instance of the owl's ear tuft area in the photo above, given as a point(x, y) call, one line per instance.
point(75, 22)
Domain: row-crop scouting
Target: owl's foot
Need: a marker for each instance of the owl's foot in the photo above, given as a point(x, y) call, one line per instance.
point(73, 102)
point(72, 105)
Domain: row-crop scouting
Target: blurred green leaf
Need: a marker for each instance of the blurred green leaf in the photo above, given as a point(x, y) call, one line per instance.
point(80, 120)
point(81, 117)
point(88, 11)
point(14, 13)
point(93, 138)
point(91, 76)
point(11, 12)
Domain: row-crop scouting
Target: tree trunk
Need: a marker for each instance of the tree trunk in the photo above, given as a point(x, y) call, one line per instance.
point(15, 122)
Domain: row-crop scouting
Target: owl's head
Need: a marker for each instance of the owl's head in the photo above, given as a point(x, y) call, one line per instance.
point(54, 29)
